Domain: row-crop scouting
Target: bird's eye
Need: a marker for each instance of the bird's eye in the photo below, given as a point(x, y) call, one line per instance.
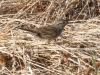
point(64, 22)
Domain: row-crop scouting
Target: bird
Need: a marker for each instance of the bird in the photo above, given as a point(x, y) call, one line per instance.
point(49, 32)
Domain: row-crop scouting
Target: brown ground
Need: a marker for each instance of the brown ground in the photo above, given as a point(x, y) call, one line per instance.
point(76, 52)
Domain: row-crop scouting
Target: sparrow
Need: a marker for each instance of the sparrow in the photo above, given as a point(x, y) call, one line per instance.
point(50, 32)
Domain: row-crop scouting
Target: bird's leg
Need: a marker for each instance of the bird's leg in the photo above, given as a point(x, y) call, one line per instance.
point(52, 41)
point(48, 41)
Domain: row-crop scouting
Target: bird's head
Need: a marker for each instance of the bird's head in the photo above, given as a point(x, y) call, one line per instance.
point(62, 22)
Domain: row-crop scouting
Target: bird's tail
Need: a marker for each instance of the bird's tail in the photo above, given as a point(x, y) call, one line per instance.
point(29, 29)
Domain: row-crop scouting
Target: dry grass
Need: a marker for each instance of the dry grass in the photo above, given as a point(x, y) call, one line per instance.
point(76, 52)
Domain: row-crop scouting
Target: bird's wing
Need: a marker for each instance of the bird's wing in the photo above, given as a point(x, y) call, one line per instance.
point(47, 31)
